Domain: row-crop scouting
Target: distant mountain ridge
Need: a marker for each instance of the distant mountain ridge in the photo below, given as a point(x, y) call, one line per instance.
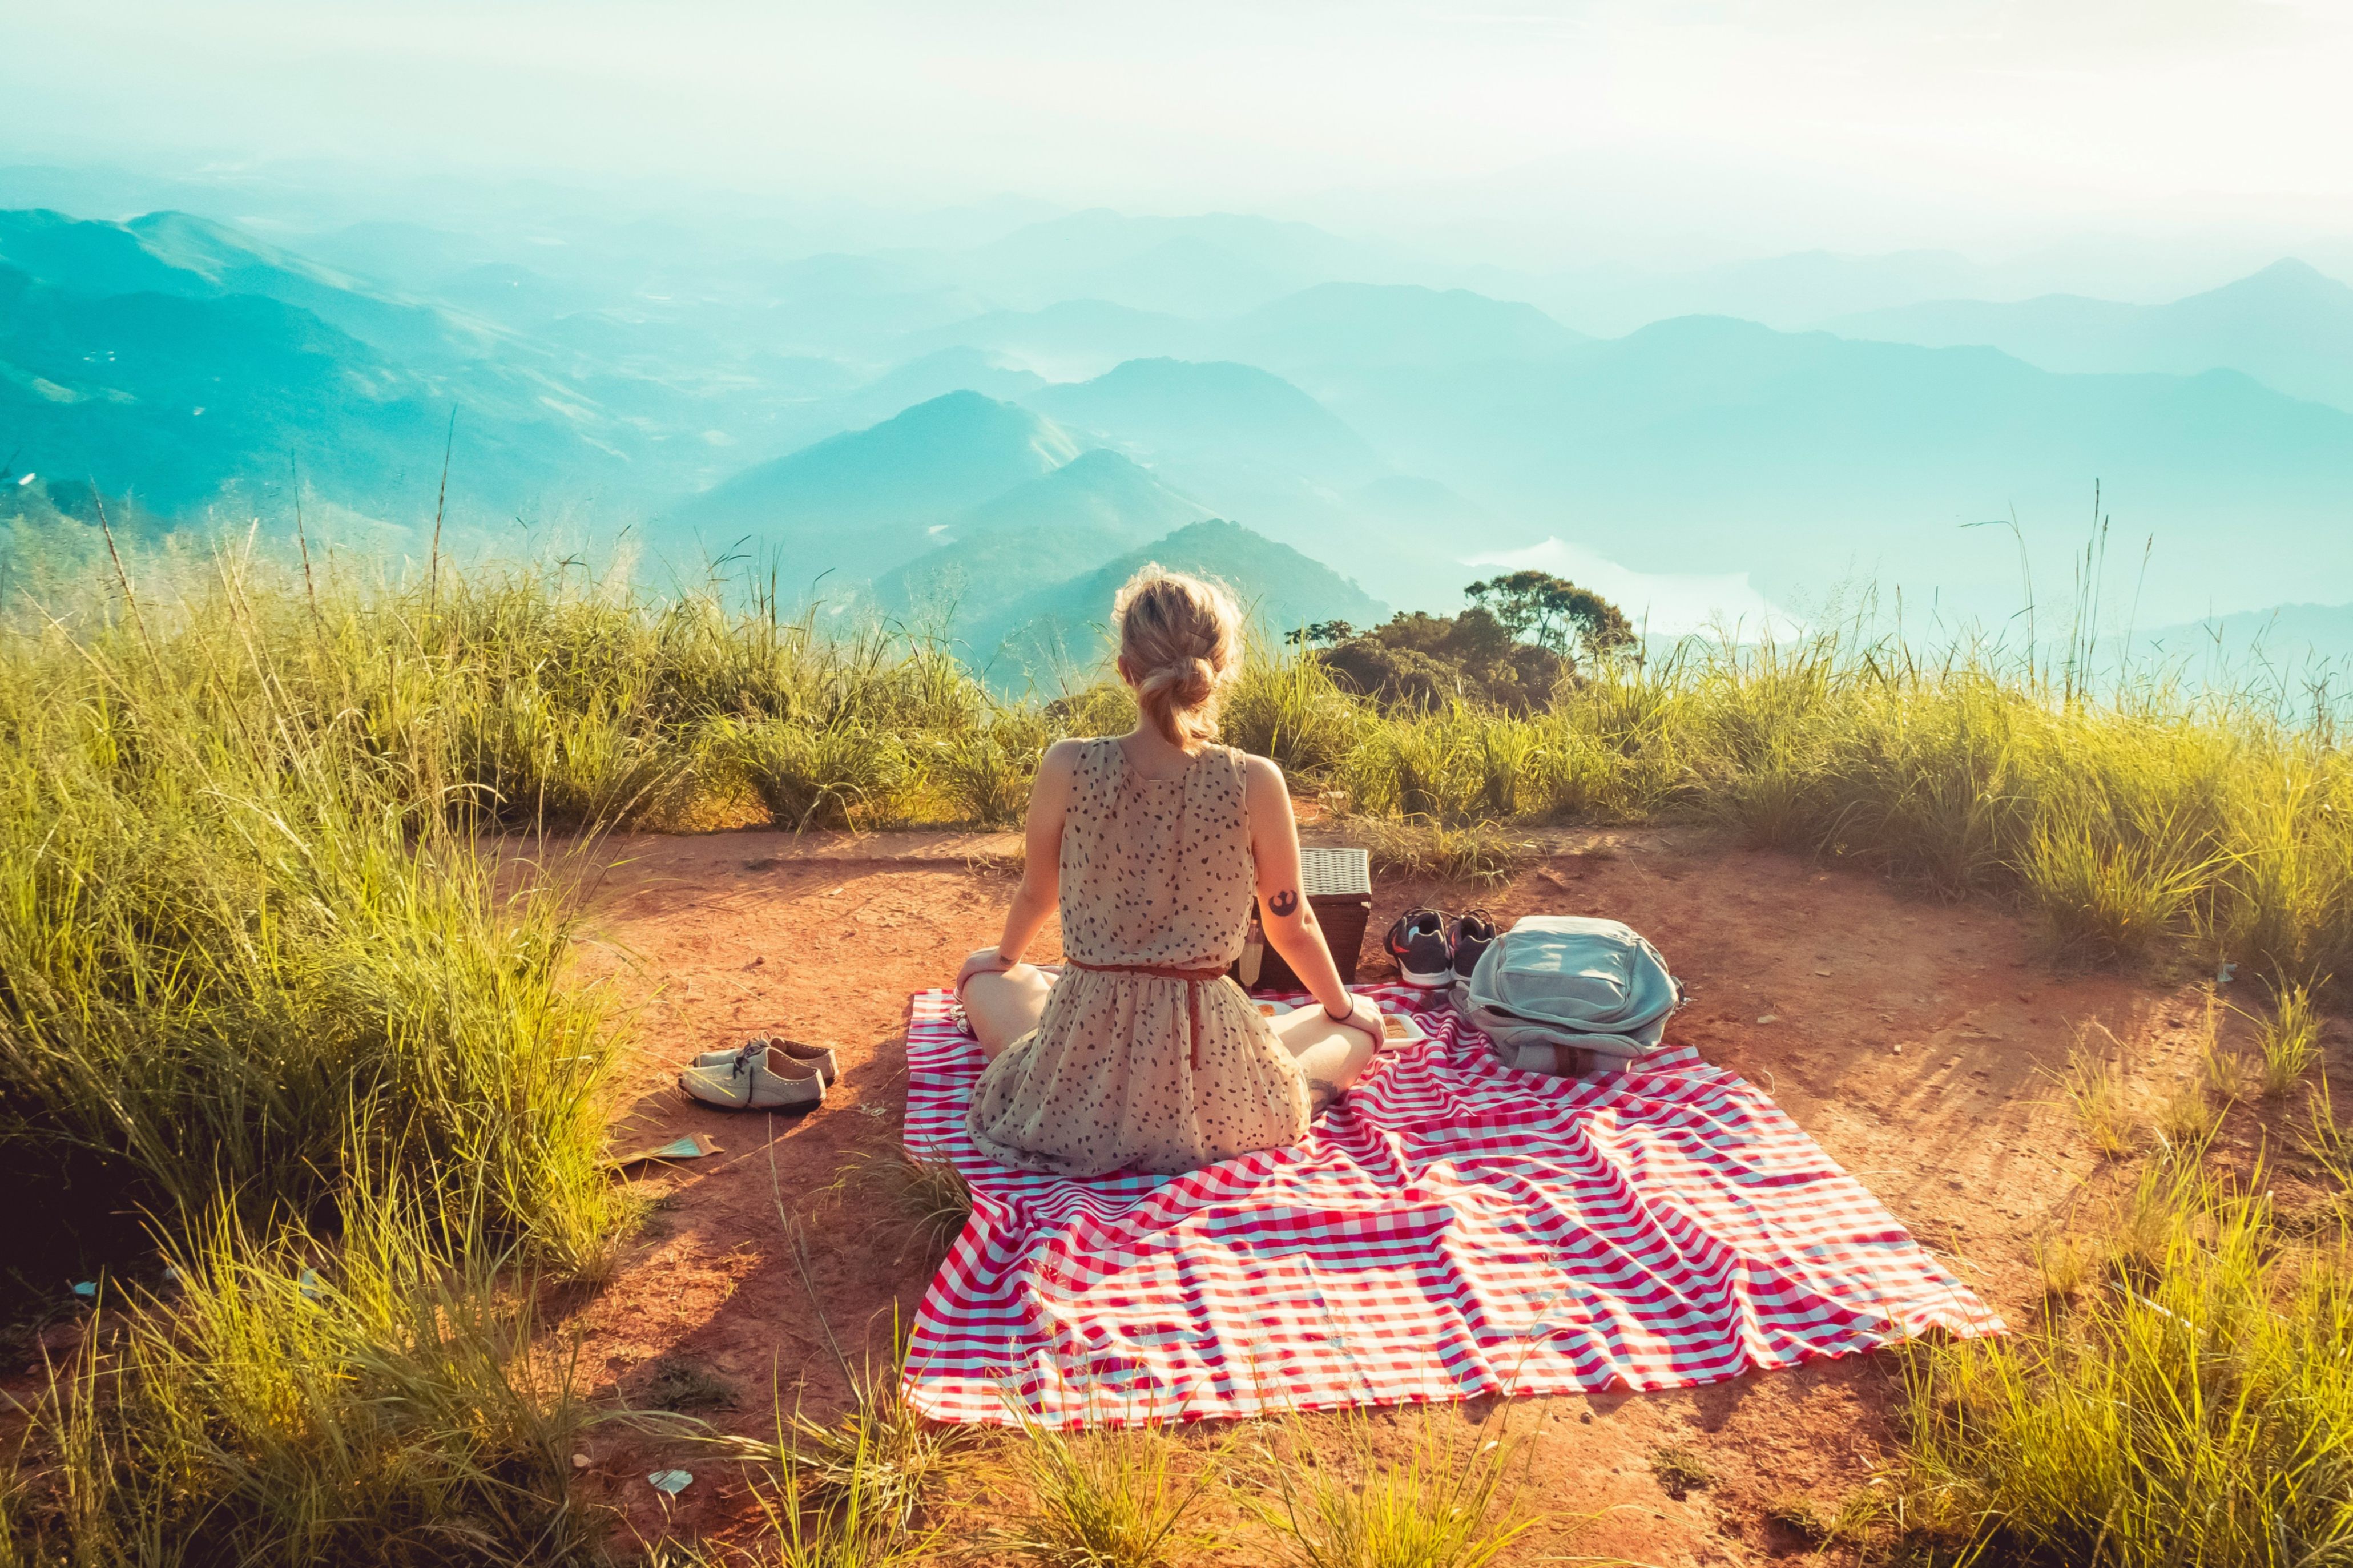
point(170, 357)
point(1392, 324)
point(2289, 326)
point(1236, 412)
point(1814, 461)
point(1348, 400)
point(1066, 625)
point(1036, 534)
point(989, 519)
point(859, 503)
point(1326, 324)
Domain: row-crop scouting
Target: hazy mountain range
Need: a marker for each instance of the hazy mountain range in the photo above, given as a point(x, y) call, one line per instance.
point(986, 425)
point(2288, 326)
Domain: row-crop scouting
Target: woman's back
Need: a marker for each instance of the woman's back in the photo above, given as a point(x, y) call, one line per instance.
point(1155, 871)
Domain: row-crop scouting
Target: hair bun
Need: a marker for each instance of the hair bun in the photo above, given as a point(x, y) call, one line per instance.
point(1194, 681)
point(1180, 641)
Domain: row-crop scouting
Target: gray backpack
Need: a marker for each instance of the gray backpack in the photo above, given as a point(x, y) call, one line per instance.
point(1593, 986)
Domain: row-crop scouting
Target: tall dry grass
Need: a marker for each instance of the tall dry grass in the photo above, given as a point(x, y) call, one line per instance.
point(375, 1397)
point(2194, 1405)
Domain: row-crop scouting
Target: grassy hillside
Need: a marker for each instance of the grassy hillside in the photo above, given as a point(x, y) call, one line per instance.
point(262, 985)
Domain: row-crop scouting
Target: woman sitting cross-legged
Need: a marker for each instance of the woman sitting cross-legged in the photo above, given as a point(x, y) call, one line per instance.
point(1143, 1055)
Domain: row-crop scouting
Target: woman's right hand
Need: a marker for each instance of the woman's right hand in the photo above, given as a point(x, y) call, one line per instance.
point(988, 960)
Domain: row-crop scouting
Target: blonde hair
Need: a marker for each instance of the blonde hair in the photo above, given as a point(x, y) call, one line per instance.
point(1179, 645)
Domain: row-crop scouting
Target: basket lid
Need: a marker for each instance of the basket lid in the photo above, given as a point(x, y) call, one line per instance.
point(1335, 873)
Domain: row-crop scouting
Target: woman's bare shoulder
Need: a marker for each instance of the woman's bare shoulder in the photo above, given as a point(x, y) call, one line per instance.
point(1062, 757)
point(1259, 773)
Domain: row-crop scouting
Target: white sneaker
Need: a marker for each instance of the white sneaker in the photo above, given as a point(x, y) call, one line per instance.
point(818, 1056)
point(755, 1077)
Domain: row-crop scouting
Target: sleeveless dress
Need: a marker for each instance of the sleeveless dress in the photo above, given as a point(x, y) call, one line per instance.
point(1136, 1071)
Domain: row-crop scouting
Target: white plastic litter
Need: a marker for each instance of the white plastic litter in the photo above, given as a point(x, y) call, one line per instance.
point(669, 1482)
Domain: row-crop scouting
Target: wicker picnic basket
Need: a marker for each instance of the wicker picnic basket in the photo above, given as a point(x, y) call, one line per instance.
point(1339, 888)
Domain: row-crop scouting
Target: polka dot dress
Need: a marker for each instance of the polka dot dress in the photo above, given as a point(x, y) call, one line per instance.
point(1154, 872)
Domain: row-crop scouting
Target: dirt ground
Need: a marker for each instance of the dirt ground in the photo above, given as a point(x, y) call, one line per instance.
point(1916, 1040)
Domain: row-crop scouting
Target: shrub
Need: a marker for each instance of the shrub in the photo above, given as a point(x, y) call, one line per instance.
point(2096, 1091)
point(986, 774)
point(841, 775)
point(1419, 662)
point(1681, 1469)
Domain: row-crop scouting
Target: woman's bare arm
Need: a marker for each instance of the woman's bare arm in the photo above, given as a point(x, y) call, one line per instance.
point(1284, 912)
point(1041, 866)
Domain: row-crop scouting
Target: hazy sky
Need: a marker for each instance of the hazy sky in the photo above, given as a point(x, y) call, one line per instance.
point(1739, 125)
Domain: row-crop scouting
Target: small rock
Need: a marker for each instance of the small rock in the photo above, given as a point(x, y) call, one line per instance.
point(1954, 1182)
point(1897, 1048)
point(1823, 973)
point(1770, 1019)
point(1586, 1416)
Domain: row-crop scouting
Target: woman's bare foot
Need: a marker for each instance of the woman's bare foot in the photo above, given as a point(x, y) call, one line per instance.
point(1330, 1055)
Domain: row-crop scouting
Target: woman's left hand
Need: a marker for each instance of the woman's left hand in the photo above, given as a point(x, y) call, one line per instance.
point(1364, 1015)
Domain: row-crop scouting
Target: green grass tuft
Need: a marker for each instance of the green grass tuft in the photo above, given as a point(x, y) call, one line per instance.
point(1109, 1499)
point(2289, 1041)
point(1340, 1503)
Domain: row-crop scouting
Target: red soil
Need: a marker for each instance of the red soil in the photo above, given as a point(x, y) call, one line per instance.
point(1916, 1040)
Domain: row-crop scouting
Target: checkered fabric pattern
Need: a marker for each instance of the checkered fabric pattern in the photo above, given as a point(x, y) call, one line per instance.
point(1455, 1229)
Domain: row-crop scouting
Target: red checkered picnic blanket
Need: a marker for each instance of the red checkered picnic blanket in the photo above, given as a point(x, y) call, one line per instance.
point(1454, 1229)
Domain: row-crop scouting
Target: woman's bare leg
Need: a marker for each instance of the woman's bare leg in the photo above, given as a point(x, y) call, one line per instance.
point(1331, 1055)
point(1002, 1005)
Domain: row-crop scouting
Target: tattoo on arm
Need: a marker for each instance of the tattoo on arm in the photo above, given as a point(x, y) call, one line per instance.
point(1284, 903)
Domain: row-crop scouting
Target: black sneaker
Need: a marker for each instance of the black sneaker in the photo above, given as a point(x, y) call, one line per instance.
point(1424, 957)
point(1472, 933)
